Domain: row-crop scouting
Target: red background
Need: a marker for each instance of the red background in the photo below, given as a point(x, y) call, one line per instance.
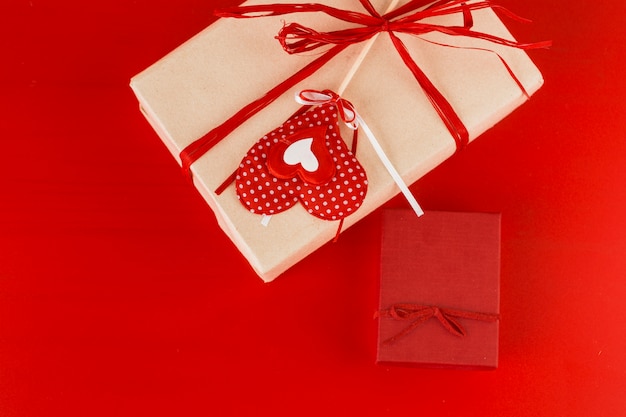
point(120, 296)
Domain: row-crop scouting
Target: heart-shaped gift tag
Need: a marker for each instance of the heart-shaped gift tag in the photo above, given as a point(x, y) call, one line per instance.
point(303, 160)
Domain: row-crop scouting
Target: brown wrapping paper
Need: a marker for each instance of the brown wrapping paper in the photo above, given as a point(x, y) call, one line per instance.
point(233, 62)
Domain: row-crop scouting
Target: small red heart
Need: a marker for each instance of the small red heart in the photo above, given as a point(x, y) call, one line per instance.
point(322, 170)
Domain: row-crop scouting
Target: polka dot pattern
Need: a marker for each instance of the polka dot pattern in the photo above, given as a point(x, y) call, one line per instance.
point(262, 193)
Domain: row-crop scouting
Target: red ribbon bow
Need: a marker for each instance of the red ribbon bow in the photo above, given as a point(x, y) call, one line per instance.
point(344, 107)
point(296, 38)
point(418, 314)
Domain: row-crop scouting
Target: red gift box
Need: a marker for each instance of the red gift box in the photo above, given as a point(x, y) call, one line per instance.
point(440, 289)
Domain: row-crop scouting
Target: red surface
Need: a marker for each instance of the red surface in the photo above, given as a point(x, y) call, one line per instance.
point(120, 296)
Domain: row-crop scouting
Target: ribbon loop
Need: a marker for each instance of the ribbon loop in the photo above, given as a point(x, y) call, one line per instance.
point(296, 38)
point(344, 107)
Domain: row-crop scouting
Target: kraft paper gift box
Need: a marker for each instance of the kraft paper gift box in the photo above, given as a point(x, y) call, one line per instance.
point(446, 260)
point(235, 61)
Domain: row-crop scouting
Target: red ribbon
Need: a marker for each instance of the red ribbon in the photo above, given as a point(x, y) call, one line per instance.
point(344, 107)
point(418, 314)
point(296, 38)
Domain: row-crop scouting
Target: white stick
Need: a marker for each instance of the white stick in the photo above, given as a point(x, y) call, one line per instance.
point(390, 168)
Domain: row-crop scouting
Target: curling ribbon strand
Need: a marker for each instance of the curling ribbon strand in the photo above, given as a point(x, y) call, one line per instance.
point(418, 314)
point(296, 38)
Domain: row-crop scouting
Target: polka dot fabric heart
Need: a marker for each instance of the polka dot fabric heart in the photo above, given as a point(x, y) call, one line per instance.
point(341, 186)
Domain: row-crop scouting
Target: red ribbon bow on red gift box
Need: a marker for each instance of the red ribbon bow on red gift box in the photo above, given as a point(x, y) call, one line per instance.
point(408, 18)
point(418, 314)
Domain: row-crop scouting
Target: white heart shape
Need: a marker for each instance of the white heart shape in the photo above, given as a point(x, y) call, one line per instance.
point(300, 152)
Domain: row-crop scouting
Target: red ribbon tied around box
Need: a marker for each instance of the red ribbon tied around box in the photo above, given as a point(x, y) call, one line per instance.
point(409, 18)
point(418, 314)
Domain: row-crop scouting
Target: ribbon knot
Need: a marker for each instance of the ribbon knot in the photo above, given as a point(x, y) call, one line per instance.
point(384, 27)
point(344, 107)
point(417, 314)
